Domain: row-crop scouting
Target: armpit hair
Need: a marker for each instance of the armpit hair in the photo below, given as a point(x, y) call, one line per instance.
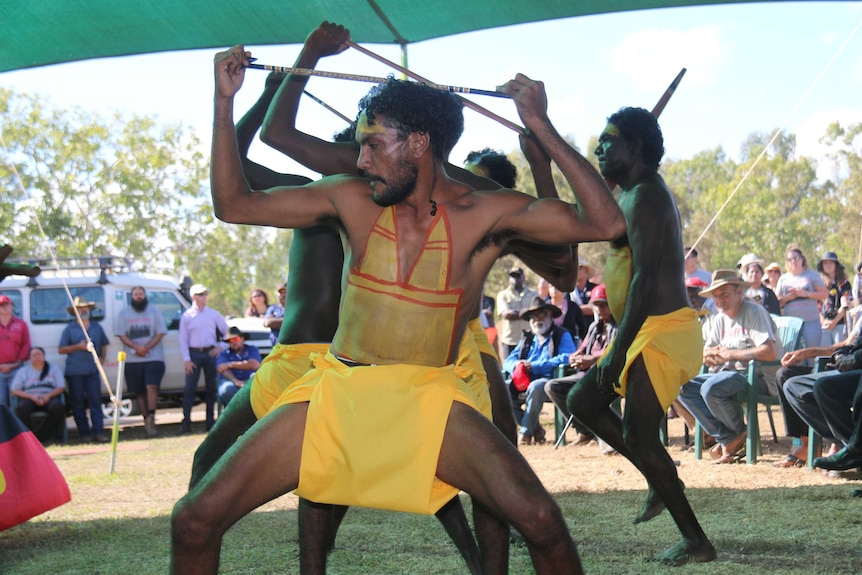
point(498, 238)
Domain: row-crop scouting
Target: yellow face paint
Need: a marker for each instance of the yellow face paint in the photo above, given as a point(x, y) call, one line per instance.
point(363, 128)
point(476, 169)
point(612, 130)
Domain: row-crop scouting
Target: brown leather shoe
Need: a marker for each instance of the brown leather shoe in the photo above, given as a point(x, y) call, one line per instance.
point(524, 439)
point(539, 435)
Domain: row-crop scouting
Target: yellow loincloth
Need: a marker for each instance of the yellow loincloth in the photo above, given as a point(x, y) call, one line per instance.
point(373, 434)
point(672, 348)
point(284, 365)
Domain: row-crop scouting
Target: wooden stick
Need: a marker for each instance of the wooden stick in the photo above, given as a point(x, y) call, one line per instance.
point(468, 103)
point(375, 79)
point(327, 106)
point(665, 98)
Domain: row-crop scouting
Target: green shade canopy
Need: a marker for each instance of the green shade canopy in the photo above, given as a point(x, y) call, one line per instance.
point(41, 32)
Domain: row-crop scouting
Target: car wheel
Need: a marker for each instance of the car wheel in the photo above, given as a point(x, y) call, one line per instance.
point(125, 409)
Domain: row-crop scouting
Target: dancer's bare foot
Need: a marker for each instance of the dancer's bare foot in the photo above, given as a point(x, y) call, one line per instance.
point(686, 551)
point(653, 505)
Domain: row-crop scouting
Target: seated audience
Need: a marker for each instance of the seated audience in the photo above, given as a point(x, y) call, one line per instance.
point(39, 385)
point(741, 331)
point(797, 374)
point(235, 365)
point(599, 335)
point(533, 361)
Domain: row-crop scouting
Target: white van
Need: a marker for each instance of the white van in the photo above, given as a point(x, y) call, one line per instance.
point(107, 281)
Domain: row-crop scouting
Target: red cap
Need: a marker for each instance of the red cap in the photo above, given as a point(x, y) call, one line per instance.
point(4, 299)
point(521, 378)
point(599, 293)
point(695, 282)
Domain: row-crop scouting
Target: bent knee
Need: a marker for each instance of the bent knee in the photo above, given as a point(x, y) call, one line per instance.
point(191, 525)
point(545, 524)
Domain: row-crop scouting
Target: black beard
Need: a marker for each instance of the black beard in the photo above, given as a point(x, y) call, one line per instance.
point(402, 185)
point(140, 305)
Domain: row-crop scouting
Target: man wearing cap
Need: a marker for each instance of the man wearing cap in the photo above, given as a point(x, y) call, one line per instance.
point(14, 346)
point(236, 364)
point(544, 348)
point(692, 266)
point(582, 293)
point(599, 335)
point(741, 331)
point(200, 346)
point(82, 375)
point(141, 327)
point(511, 302)
point(658, 346)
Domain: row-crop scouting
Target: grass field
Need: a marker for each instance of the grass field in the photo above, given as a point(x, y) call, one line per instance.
point(762, 520)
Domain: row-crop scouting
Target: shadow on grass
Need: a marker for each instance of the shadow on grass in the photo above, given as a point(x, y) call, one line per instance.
point(782, 531)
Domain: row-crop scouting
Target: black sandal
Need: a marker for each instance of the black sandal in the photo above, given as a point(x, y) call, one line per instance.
point(790, 461)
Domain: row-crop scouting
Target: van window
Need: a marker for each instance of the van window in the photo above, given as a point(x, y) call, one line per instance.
point(15, 296)
point(48, 305)
point(168, 303)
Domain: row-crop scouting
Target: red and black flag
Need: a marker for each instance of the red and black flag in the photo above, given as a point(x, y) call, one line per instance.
point(30, 482)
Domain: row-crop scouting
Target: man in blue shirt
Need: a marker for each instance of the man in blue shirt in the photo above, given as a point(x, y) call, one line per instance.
point(82, 375)
point(236, 364)
point(540, 351)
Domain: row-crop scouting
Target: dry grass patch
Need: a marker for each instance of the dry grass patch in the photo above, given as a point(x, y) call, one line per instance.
point(761, 519)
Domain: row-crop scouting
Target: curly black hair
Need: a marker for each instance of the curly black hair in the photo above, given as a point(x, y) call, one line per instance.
point(410, 107)
point(638, 124)
point(500, 169)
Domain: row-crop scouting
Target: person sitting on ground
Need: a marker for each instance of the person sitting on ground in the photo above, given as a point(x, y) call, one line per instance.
point(533, 362)
point(274, 315)
point(834, 308)
point(796, 374)
point(236, 364)
point(751, 269)
point(39, 385)
point(741, 331)
point(258, 303)
point(599, 335)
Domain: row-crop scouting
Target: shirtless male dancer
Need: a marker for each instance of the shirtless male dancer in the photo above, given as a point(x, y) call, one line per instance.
point(418, 246)
point(311, 316)
point(328, 158)
point(659, 345)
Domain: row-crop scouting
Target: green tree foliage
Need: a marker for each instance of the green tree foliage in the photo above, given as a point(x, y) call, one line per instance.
point(128, 187)
point(845, 153)
point(98, 185)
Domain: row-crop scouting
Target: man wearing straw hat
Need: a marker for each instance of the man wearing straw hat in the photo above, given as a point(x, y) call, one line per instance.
point(420, 246)
point(658, 346)
point(82, 375)
point(741, 331)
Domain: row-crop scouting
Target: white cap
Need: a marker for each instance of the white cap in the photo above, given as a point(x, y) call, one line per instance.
point(198, 289)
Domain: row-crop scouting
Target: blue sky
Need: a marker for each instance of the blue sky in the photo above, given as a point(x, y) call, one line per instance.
point(748, 67)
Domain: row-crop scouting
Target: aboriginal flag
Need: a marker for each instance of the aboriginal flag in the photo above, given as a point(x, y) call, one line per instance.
point(30, 482)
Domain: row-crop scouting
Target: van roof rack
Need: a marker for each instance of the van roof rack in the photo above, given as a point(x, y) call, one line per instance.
point(76, 265)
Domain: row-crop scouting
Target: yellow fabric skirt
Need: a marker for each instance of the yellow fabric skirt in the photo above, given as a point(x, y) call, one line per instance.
point(284, 365)
point(672, 348)
point(373, 434)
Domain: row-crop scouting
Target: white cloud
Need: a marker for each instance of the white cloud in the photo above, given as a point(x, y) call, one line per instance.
point(648, 57)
